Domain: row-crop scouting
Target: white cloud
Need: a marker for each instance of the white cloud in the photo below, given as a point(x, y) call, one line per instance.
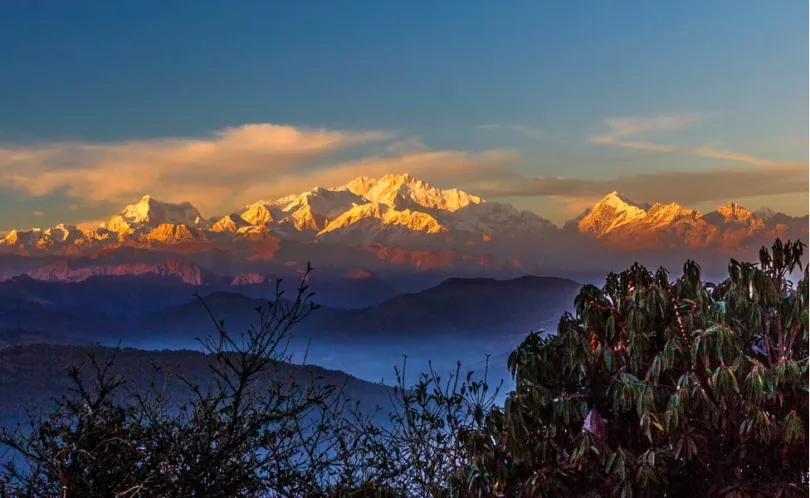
point(407, 146)
point(622, 131)
point(631, 126)
point(530, 132)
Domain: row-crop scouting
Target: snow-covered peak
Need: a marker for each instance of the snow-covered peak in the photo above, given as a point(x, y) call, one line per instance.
point(662, 215)
point(229, 223)
point(328, 203)
point(360, 185)
point(494, 218)
point(374, 222)
point(619, 201)
point(765, 213)
point(257, 214)
point(150, 213)
point(403, 191)
point(21, 236)
point(613, 211)
point(59, 236)
point(734, 212)
point(60, 232)
point(671, 209)
point(400, 210)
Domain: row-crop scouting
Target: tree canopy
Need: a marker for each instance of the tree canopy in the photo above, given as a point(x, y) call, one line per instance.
point(689, 388)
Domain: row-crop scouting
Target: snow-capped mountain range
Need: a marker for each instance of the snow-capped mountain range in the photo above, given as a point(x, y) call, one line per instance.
point(619, 223)
point(396, 213)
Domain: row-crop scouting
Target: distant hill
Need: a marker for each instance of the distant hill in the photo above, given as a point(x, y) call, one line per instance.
point(76, 324)
point(454, 308)
point(128, 295)
point(32, 375)
point(460, 307)
point(190, 320)
point(18, 337)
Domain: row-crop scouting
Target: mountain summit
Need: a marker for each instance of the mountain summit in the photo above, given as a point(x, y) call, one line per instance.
point(613, 211)
point(393, 209)
point(405, 192)
point(151, 213)
point(398, 212)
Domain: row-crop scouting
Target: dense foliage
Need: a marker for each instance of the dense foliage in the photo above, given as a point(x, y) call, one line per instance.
point(651, 387)
point(693, 389)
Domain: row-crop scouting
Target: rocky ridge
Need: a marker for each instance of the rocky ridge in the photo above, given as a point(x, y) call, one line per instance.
point(399, 212)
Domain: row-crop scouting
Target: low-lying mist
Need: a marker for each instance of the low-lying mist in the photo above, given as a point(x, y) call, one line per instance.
point(376, 360)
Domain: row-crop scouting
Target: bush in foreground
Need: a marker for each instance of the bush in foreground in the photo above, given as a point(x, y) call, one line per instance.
point(684, 388)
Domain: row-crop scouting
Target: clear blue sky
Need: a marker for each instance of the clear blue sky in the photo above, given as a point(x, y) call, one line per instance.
point(547, 73)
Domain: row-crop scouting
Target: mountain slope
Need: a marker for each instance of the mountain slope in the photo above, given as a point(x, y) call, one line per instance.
point(398, 220)
point(80, 323)
point(391, 209)
point(31, 376)
point(622, 225)
point(609, 214)
point(149, 213)
point(455, 308)
point(474, 306)
point(147, 314)
point(127, 290)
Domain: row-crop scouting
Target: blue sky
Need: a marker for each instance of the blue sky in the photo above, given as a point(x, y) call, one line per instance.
point(548, 105)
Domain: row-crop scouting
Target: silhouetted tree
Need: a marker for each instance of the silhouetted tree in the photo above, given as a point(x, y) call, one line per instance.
point(256, 429)
point(422, 447)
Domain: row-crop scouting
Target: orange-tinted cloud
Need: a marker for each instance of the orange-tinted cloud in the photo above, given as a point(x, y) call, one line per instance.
point(228, 169)
point(207, 169)
point(442, 168)
point(686, 187)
